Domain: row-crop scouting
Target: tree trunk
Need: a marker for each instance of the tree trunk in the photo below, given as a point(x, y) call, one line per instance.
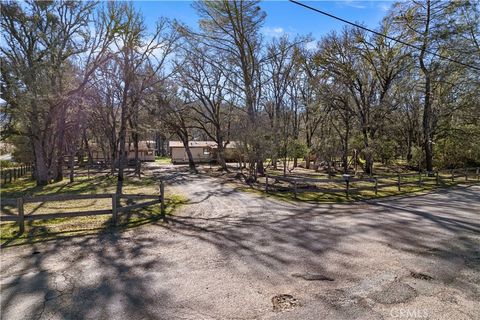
point(160, 142)
point(41, 170)
point(221, 151)
point(309, 146)
point(137, 159)
point(191, 162)
point(221, 157)
point(427, 106)
point(121, 156)
point(71, 163)
point(368, 154)
point(260, 168)
point(345, 148)
point(89, 151)
point(59, 169)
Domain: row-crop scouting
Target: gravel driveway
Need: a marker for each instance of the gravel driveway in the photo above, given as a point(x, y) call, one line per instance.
point(237, 255)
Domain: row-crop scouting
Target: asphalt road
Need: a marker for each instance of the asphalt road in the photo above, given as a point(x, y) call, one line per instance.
point(230, 254)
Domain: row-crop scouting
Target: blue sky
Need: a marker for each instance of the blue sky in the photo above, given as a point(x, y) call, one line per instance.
point(282, 16)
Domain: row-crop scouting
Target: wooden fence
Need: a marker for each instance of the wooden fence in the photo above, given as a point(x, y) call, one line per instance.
point(297, 184)
point(21, 217)
point(11, 174)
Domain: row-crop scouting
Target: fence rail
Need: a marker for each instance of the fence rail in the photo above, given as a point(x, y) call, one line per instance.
point(297, 183)
point(20, 217)
point(8, 175)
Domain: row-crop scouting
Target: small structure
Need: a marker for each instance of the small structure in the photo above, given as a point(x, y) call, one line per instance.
point(202, 151)
point(146, 151)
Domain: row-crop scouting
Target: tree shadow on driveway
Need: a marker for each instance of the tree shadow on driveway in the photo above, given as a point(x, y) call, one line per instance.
point(95, 277)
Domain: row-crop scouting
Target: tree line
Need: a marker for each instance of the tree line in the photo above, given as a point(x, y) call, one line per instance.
point(78, 74)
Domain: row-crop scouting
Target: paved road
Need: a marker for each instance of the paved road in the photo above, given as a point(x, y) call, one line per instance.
point(228, 253)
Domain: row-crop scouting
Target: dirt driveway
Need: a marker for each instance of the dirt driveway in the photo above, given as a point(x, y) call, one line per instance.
point(237, 255)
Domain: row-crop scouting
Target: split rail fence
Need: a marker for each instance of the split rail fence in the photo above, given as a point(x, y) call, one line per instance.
point(299, 184)
point(11, 174)
point(21, 217)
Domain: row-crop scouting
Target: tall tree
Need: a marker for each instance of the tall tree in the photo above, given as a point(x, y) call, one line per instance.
point(233, 28)
point(42, 40)
point(204, 85)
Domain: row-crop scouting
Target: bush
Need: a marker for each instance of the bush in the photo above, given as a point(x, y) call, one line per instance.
point(297, 149)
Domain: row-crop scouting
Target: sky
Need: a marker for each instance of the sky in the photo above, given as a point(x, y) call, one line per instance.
point(283, 17)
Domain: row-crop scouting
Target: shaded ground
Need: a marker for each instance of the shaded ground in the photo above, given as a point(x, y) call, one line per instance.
point(236, 255)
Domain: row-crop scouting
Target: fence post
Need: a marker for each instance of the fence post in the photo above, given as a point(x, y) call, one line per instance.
point(376, 185)
point(266, 183)
point(466, 174)
point(10, 176)
point(162, 199)
point(295, 190)
point(453, 175)
point(398, 182)
point(21, 216)
point(14, 174)
point(114, 209)
point(437, 178)
point(476, 173)
point(419, 178)
point(4, 173)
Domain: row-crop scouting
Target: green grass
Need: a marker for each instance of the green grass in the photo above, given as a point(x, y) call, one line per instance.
point(163, 160)
point(39, 230)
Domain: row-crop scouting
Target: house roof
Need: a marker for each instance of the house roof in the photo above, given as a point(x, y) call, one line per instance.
point(142, 145)
point(200, 144)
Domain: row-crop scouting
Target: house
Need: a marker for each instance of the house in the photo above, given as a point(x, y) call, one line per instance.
point(202, 151)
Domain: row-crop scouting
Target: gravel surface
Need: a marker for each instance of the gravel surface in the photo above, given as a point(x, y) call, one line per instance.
point(238, 255)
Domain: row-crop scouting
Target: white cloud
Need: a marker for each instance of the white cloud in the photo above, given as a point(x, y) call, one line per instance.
point(384, 7)
point(273, 31)
point(354, 4)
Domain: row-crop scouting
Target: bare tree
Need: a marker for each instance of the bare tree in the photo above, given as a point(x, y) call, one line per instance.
point(204, 85)
point(232, 28)
point(176, 114)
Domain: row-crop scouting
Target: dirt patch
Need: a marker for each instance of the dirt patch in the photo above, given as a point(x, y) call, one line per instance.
point(396, 292)
point(312, 277)
point(284, 302)
point(421, 276)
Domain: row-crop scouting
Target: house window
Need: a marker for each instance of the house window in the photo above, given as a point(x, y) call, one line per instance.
point(206, 151)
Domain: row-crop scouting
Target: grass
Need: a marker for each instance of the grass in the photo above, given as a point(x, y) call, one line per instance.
point(163, 160)
point(39, 230)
